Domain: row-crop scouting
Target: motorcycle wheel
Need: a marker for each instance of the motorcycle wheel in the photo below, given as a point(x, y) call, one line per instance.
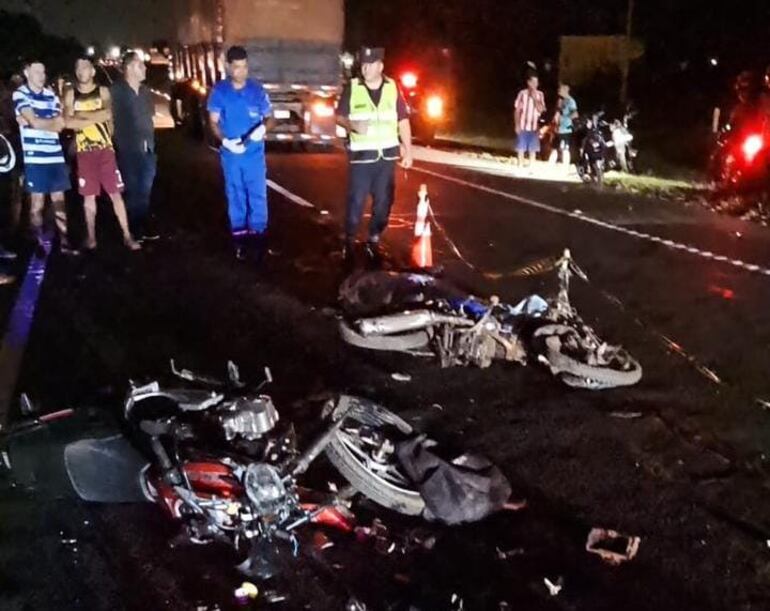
point(380, 481)
point(578, 374)
point(391, 343)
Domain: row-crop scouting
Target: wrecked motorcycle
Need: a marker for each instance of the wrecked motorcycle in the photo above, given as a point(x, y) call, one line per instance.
point(420, 314)
point(223, 465)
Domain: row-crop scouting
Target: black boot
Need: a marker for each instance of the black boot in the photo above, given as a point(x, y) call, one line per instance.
point(349, 253)
point(373, 256)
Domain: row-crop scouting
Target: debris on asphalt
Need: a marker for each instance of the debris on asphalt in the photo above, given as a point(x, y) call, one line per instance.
point(763, 404)
point(272, 597)
point(457, 603)
point(402, 578)
point(324, 212)
point(553, 588)
point(248, 591)
point(626, 415)
point(511, 553)
point(515, 505)
point(438, 407)
point(401, 377)
point(465, 488)
point(577, 211)
point(613, 547)
point(354, 604)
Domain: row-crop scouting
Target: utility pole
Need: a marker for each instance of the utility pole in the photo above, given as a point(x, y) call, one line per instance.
point(626, 65)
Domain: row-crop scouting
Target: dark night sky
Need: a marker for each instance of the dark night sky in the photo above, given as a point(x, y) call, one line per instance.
point(132, 22)
point(671, 26)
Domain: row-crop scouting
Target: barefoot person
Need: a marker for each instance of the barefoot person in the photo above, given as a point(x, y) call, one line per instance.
point(38, 110)
point(88, 110)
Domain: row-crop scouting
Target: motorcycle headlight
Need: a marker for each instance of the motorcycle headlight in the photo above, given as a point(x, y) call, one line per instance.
point(265, 489)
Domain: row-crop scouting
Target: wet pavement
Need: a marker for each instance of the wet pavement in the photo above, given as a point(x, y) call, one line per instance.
point(677, 460)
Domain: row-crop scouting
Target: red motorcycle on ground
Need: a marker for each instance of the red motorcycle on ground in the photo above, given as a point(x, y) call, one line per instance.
point(226, 468)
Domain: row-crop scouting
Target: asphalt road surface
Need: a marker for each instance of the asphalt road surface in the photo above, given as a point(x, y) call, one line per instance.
point(679, 460)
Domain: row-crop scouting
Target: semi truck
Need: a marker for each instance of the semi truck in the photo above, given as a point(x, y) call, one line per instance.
point(294, 49)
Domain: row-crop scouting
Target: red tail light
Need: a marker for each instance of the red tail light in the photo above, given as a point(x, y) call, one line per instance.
point(751, 146)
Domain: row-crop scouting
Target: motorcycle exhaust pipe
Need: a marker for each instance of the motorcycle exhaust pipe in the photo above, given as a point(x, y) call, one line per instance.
point(408, 321)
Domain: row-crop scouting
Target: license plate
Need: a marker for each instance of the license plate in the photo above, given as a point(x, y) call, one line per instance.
point(282, 114)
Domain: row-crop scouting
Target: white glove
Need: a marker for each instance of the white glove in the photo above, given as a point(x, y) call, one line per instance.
point(234, 145)
point(258, 134)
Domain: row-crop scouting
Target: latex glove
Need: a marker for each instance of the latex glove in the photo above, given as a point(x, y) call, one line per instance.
point(258, 134)
point(234, 145)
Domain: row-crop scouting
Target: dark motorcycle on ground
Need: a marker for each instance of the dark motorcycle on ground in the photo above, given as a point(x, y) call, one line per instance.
point(216, 459)
point(422, 315)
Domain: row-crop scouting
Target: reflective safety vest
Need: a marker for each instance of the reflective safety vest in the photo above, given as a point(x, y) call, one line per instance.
point(381, 138)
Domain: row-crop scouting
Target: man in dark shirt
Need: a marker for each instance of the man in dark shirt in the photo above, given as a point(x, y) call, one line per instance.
point(374, 113)
point(134, 139)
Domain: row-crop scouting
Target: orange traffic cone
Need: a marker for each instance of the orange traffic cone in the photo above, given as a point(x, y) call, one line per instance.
point(422, 252)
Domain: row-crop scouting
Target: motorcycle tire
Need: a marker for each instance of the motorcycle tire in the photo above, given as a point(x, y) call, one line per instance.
point(577, 374)
point(368, 483)
point(390, 343)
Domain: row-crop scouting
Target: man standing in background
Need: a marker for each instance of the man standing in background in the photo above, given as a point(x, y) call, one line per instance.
point(134, 139)
point(39, 112)
point(240, 115)
point(87, 110)
point(566, 113)
point(530, 104)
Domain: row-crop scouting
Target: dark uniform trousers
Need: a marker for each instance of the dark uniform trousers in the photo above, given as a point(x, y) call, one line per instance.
point(377, 179)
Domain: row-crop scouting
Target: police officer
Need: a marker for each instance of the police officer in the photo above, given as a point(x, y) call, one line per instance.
point(240, 115)
point(376, 116)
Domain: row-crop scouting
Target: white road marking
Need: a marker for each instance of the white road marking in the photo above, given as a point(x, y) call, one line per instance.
point(289, 195)
point(751, 267)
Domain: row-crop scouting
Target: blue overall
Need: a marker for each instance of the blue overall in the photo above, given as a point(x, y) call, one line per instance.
point(245, 174)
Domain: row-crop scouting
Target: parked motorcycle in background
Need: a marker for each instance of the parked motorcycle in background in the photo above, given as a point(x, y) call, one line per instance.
point(593, 150)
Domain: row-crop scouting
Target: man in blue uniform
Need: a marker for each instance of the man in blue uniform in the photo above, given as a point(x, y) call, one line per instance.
point(239, 110)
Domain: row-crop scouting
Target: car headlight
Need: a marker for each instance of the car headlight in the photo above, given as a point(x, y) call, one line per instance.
point(435, 107)
point(323, 109)
point(265, 489)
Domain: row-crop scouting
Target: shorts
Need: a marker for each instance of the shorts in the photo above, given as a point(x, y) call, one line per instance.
point(563, 142)
point(47, 177)
point(98, 170)
point(528, 142)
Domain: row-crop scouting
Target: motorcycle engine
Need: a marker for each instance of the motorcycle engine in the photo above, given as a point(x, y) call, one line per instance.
point(249, 418)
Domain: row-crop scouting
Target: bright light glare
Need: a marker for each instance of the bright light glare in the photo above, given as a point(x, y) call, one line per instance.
point(752, 145)
point(322, 109)
point(435, 107)
point(409, 80)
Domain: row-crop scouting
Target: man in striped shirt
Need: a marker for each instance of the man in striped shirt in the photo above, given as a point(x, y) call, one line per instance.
point(530, 104)
point(38, 110)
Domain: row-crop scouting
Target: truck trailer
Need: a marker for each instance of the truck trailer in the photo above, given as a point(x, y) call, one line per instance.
point(294, 49)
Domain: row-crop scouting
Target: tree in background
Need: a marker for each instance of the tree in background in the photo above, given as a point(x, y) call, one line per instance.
point(22, 36)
